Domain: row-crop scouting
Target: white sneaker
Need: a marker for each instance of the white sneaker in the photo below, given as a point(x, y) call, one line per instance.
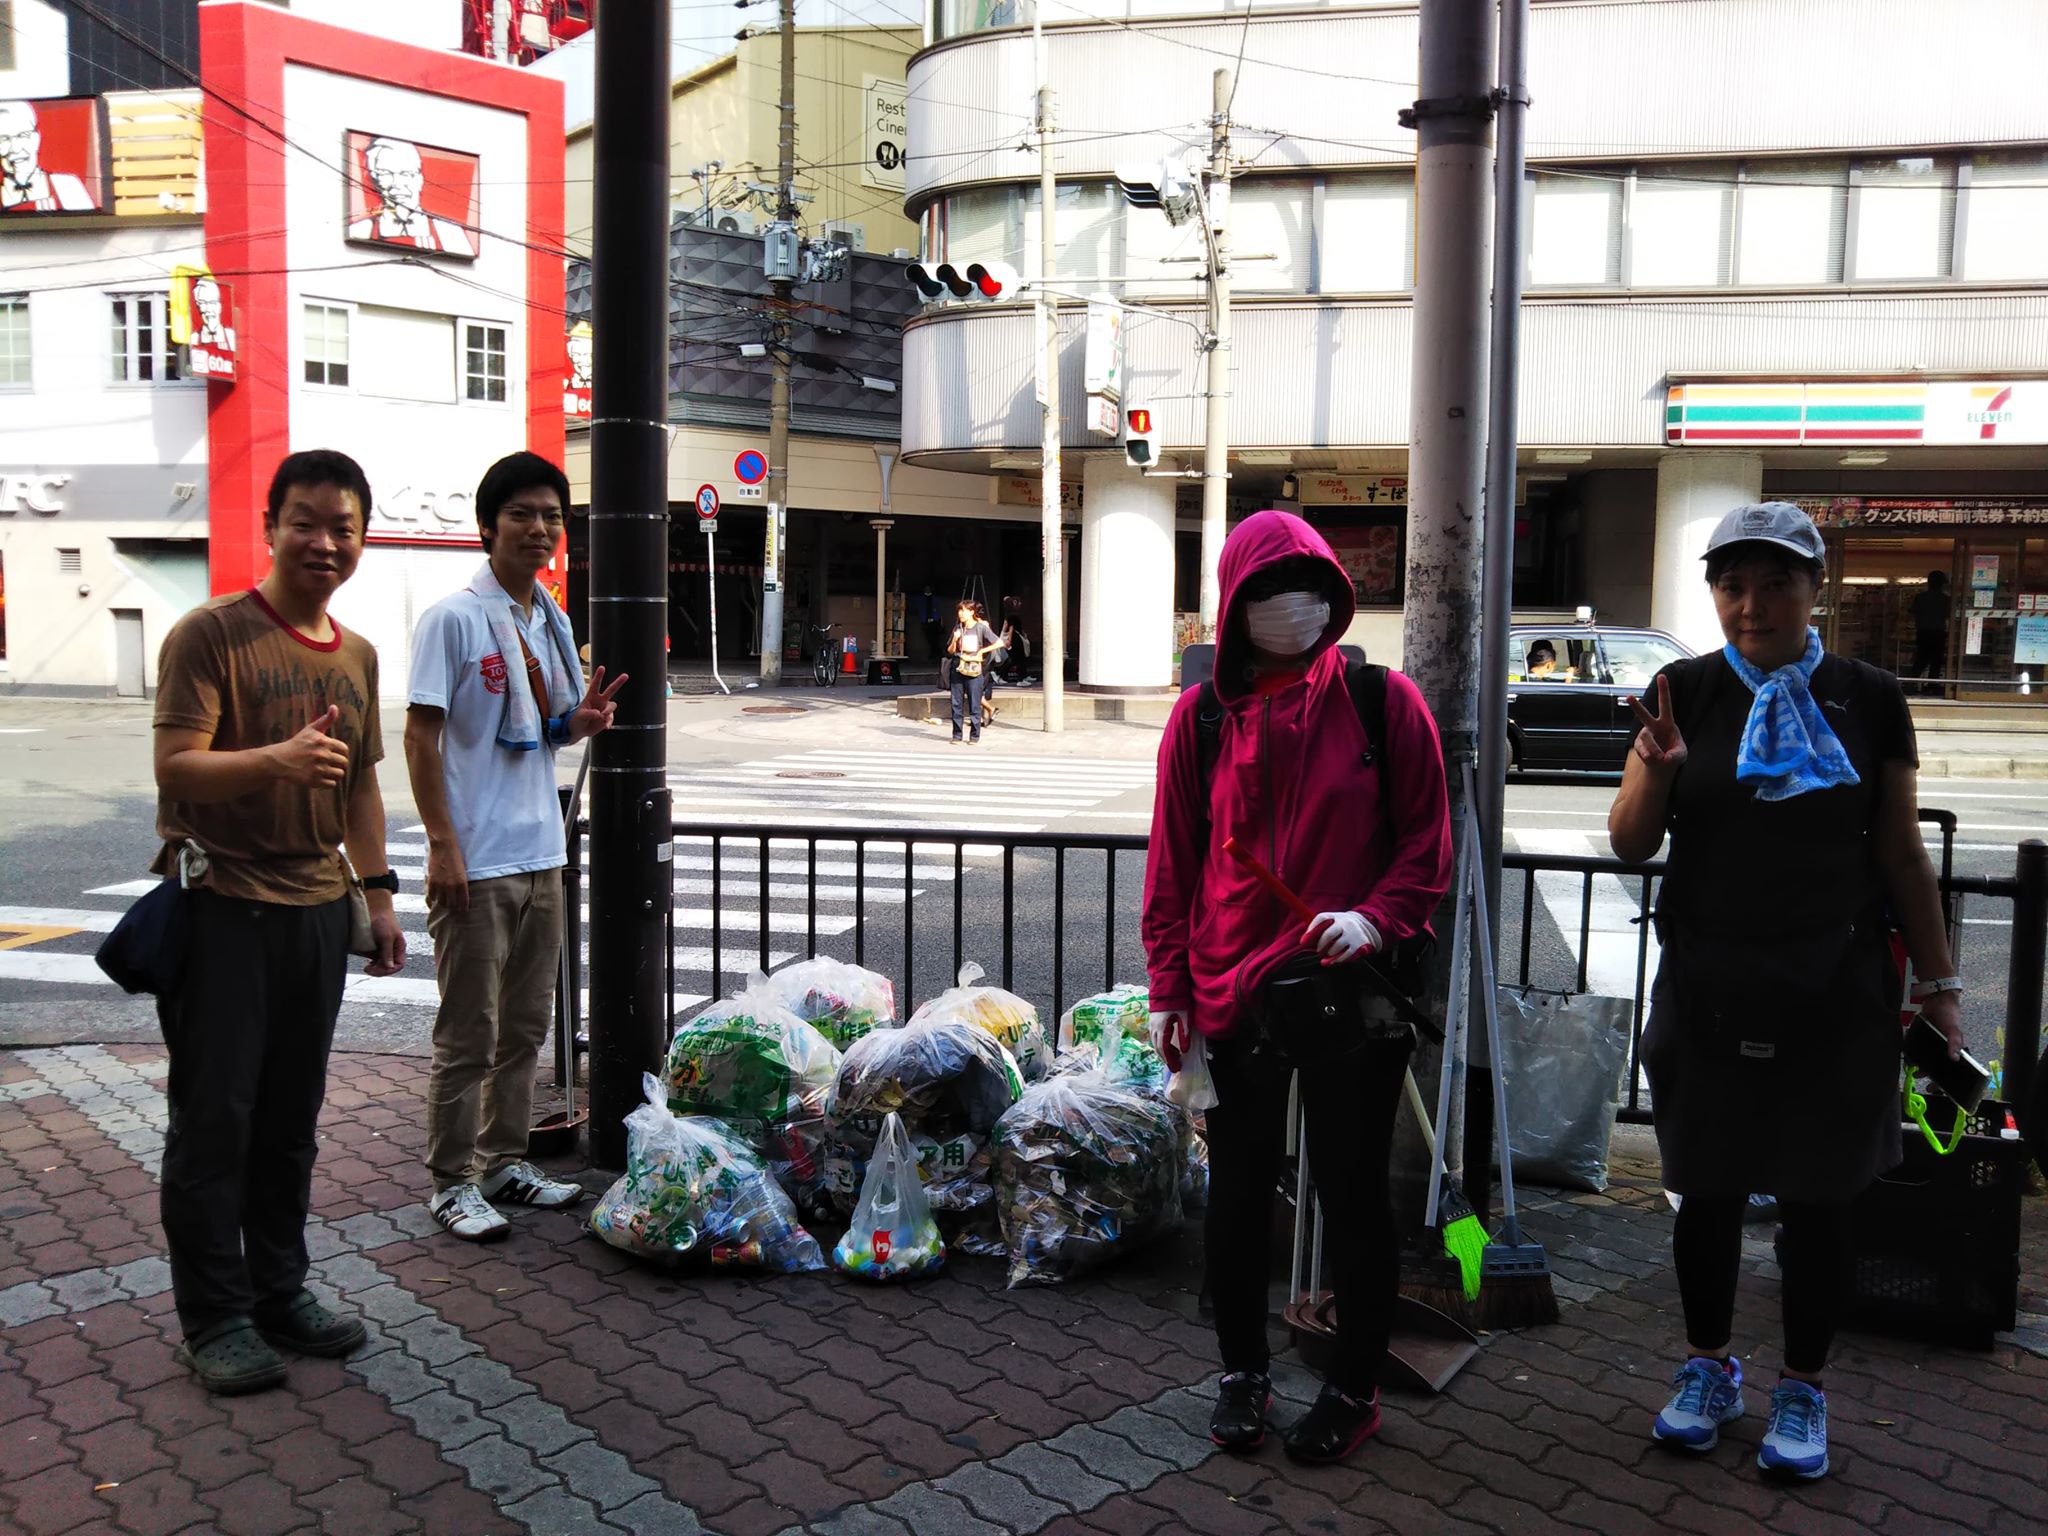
point(524, 1184)
point(463, 1210)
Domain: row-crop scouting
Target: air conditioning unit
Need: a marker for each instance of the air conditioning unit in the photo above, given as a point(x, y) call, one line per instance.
point(733, 221)
point(854, 236)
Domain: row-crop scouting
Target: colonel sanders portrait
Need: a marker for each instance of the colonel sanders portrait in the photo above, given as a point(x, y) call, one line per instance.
point(395, 174)
point(25, 187)
point(579, 357)
point(209, 321)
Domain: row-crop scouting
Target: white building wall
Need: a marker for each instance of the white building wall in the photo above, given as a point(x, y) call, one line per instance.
point(42, 52)
point(113, 457)
point(423, 455)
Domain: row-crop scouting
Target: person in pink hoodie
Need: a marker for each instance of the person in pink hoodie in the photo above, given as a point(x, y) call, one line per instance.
point(1360, 831)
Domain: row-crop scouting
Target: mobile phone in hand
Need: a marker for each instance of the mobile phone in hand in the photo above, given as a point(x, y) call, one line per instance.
point(1962, 1078)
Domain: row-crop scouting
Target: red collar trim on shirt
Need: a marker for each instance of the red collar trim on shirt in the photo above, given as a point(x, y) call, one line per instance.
point(299, 635)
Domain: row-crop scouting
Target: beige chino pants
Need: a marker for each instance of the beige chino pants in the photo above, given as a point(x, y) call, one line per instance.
point(496, 966)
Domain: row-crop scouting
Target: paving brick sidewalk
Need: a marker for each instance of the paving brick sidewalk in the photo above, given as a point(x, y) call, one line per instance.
point(549, 1385)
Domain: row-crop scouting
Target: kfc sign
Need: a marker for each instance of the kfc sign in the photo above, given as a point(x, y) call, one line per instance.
point(411, 196)
point(53, 156)
point(210, 345)
point(576, 387)
point(33, 493)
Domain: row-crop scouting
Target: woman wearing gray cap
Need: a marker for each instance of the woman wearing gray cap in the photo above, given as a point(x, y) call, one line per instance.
point(1785, 777)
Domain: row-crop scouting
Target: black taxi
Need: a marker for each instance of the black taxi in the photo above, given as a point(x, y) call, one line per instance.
point(1568, 690)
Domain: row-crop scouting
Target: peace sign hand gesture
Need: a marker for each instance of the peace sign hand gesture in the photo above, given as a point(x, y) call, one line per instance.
point(1658, 743)
point(594, 713)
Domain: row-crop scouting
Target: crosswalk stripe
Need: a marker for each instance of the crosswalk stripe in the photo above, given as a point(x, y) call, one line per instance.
point(1114, 766)
point(126, 888)
point(91, 919)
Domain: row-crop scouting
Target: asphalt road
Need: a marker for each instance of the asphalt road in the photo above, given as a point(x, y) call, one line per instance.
point(76, 811)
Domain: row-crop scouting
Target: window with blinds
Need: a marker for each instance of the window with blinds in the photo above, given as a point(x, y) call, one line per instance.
point(1905, 217)
point(2005, 236)
point(1679, 227)
point(1575, 230)
point(1792, 218)
point(1368, 235)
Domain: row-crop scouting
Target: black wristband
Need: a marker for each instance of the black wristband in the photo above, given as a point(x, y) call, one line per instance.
point(388, 881)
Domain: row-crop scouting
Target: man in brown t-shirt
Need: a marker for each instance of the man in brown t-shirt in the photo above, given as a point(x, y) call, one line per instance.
point(266, 748)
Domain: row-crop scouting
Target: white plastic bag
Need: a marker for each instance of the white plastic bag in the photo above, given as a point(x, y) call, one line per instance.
point(1192, 1088)
point(1093, 1020)
point(1003, 1014)
point(842, 1002)
point(694, 1189)
point(893, 1236)
point(1562, 1055)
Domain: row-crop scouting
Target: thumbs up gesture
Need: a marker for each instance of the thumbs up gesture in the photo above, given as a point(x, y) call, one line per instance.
point(314, 757)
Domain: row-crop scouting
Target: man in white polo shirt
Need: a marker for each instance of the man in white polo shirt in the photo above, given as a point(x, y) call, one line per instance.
point(496, 689)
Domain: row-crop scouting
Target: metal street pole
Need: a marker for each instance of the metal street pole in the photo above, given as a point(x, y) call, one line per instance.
point(776, 525)
point(1510, 208)
point(1051, 515)
point(631, 877)
point(1447, 415)
point(1216, 431)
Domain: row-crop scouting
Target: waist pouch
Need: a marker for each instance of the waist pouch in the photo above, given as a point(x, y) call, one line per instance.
point(1312, 1014)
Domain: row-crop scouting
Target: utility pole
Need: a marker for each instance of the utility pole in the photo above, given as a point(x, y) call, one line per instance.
point(777, 524)
point(1453, 119)
point(1051, 514)
point(632, 882)
point(1216, 433)
point(1510, 208)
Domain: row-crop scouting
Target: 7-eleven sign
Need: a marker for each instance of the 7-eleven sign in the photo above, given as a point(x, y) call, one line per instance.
point(1987, 411)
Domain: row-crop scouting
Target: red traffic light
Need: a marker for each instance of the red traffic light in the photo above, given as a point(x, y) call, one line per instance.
point(1140, 421)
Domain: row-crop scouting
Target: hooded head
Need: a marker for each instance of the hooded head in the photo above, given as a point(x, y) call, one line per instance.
point(1269, 558)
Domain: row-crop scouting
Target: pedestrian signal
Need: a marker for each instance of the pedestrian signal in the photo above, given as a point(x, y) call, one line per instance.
point(1141, 437)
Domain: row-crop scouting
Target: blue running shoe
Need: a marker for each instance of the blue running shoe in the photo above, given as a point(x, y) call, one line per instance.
point(1709, 1395)
point(1796, 1443)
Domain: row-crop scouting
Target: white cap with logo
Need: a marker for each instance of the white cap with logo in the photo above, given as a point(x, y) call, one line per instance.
point(1769, 522)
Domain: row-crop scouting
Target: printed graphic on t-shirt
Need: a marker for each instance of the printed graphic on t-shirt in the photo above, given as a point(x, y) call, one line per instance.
point(287, 697)
point(493, 669)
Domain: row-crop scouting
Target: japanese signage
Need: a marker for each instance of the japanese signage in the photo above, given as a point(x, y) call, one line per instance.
point(1903, 512)
point(1023, 491)
point(53, 156)
point(576, 387)
point(411, 196)
point(885, 133)
point(1354, 490)
point(1873, 413)
point(1103, 365)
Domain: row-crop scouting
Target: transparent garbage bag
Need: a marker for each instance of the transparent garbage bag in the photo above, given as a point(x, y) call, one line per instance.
point(1003, 1014)
point(1123, 1010)
point(893, 1236)
point(693, 1189)
point(754, 1064)
point(842, 1002)
point(1086, 1170)
point(1563, 1055)
point(950, 1080)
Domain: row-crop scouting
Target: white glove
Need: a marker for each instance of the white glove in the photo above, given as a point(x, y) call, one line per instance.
point(1341, 936)
point(1170, 1037)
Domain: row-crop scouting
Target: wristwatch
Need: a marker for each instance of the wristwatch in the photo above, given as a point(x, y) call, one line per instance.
point(1925, 989)
point(388, 881)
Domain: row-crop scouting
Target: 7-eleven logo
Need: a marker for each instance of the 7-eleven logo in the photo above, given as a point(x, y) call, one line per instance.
point(1990, 408)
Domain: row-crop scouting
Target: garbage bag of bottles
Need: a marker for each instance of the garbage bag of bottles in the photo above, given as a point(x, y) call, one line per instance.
point(950, 1080)
point(842, 1002)
point(893, 1235)
point(1122, 1010)
point(1086, 1170)
point(1126, 1059)
point(752, 1063)
point(1003, 1014)
point(694, 1189)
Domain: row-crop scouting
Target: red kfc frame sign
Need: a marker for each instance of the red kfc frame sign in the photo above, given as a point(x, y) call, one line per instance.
point(210, 344)
point(53, 156)
point(413, 196)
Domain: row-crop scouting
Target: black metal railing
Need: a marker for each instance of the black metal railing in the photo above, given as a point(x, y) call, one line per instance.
point(1076, 932)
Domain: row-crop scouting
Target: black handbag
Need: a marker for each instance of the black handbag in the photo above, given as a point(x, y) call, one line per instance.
point(146, 950)
point(1316, 1015)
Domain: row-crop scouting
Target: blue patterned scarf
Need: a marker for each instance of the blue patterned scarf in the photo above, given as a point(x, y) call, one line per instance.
point(1788, 748)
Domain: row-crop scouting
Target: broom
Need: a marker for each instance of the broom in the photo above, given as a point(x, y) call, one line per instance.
point(1463, 1235)
point(1514, 1276)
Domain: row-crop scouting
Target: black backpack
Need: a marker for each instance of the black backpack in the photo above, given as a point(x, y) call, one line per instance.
point(1402, 965)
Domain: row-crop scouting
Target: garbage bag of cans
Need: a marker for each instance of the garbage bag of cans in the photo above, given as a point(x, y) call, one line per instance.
point(893, 1236)
point(752, 1063)
point(694, 1189)
point(1003, 1014)
point(950, 1081)
point(1087, 1170)
point(1124, 1010)
point(842, 1002)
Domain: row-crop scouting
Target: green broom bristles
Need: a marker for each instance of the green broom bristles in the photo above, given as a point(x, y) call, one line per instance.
point(1464, 1236)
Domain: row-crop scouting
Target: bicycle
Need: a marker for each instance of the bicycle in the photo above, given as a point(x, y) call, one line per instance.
point(824, 668)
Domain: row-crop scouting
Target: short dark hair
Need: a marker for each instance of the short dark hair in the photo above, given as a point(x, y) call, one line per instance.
point(1937, 578)
point(1542, 650)
point(516, 472)
point(1728, 556)
point(315, 467)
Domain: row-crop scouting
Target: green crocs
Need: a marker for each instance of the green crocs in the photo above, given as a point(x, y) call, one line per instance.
point(230, 1357)
point(305, 1327)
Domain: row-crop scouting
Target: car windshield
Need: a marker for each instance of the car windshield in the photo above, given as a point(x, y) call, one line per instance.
point(1634, 660)
point(1559, 657)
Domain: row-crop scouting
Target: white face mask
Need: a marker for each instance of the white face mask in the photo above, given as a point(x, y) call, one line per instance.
point(1287, 625)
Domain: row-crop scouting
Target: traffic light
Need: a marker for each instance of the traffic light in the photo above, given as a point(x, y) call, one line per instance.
point(979, 281)
point(1141, 437)
point(1162, 185)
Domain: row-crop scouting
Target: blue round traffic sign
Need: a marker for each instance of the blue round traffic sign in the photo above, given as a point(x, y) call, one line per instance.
point(707, 501)
point(751, 468)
